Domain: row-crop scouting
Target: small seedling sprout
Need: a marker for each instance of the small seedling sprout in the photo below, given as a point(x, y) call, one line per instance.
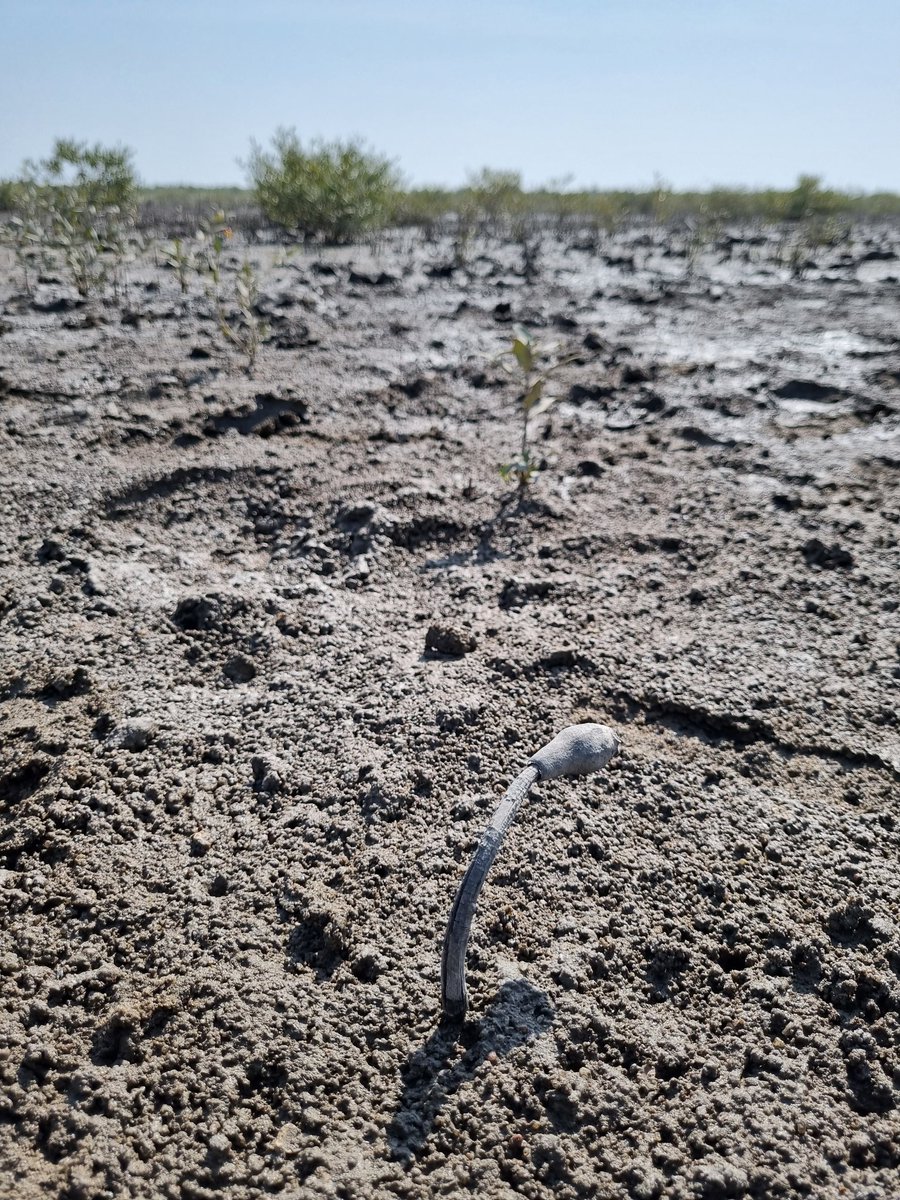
point(248, 332)
point(182, 260)
point(534, 372)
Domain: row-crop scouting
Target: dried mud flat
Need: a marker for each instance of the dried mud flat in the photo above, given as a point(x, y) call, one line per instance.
point(237, 795)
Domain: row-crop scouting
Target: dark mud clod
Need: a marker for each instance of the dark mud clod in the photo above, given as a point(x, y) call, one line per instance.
point(195, 613)
point(450, 640)
point(833, 557)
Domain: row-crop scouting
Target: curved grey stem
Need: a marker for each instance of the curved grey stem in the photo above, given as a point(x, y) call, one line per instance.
point(578, 750)
point(454, 998)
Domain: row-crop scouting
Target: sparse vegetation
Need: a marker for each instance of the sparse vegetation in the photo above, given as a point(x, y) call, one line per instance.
point(83, 176)
point(492, 202)
point(806, 238)
point(342, 191)
point(604, 210)
point(196, 198)
point(203, 256)
point(496, 197)
point(702, 230)
point(200, 255)
point(77, 204)
point(24, 235)
point(9, 194)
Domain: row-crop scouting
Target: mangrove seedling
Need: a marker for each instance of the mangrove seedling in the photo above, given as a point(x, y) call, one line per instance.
point(181, 259)
point(534, 372)
point(248, 332)
point(577, 750)
point(24, 237)
point(212, 237)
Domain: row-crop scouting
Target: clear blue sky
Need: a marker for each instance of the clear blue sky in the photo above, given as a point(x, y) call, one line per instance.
point(611, 92)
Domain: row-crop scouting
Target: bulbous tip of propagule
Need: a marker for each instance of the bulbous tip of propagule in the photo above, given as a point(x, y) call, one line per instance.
point(577, 750)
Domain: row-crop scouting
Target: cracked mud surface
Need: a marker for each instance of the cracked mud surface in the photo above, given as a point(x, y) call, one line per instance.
point(237, 794)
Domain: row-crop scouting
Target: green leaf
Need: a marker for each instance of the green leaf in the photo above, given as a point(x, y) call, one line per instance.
point(533, 395)
point(522, 351)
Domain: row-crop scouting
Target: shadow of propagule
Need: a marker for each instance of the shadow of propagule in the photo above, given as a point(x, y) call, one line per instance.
point(519, 1014)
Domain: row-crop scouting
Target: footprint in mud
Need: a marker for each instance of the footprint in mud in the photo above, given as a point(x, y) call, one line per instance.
point(519, 1014)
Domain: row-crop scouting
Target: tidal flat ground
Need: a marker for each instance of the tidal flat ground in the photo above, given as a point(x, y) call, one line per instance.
point(237, 792)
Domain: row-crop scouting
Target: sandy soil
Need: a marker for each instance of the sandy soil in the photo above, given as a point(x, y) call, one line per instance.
point(237, 795)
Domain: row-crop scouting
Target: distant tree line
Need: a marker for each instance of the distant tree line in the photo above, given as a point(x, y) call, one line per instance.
point(339, 191)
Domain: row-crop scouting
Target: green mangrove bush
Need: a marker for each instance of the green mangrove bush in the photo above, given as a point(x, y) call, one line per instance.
point(334, 191)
